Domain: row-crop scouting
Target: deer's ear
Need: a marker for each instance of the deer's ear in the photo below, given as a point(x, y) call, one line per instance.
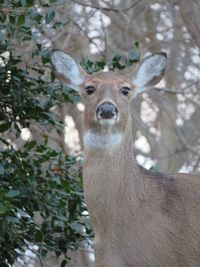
point(67, 69)
point(149, 72)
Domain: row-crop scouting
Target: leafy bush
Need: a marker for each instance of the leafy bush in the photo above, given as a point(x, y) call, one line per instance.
point(41, 198)
point(41, 201)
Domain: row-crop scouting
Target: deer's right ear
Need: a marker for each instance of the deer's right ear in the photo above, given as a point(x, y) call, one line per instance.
point(67, 69)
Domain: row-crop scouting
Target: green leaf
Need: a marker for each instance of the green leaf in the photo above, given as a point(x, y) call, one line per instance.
point(38, 236)
point(2, 194)
point(63, 263)
point(12, 19)
point(134, 56)
point(65, 184)
point(49, 16)
point(12, 193)
point(75, 98)
point(3, 209)
point(45, 56)
point(154, 168)
point(4, 126)
point(2, 170)
point(39, 46)
point(101, 64)
point(117, 57)
point(38, 18)
point(12, 219)
point(2, 116)
point(29, 3)
point(21, 20)
point(52, 184)
point(30, 145)
point(2, 17)
point(137, 44)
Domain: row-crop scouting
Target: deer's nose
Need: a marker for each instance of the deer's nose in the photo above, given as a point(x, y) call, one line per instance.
point(106, 110)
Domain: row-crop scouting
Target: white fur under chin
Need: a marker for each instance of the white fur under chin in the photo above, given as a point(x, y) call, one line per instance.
point(108, 141)
point(108, 121)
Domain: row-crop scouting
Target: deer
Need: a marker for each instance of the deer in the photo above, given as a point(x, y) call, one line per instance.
point(141, 218)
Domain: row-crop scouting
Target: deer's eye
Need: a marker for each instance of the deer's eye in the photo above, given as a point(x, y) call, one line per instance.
point(125, 90)
point(89, 89)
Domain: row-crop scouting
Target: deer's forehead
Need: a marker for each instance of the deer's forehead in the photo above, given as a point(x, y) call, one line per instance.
point(107, 78)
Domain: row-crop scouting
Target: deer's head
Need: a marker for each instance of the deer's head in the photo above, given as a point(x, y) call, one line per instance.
point(107, 95)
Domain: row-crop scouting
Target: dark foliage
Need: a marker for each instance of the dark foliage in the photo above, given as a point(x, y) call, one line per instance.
point(41, 198)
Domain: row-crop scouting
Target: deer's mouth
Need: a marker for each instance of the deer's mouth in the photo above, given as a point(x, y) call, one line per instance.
point(107, 122)
point(107, 113)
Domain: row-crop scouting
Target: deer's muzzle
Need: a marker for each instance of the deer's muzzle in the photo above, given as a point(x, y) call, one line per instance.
point(106, 111)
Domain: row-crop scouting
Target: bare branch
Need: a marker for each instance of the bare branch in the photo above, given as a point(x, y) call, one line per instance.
point(87, 36)
point(168, 90)
point(98, 7)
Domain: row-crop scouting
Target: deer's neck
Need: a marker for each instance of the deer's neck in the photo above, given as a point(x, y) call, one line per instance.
point(109, 157)
point(110, 144)
point(110, 175)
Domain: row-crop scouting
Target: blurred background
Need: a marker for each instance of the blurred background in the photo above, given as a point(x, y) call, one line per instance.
point(41, 119)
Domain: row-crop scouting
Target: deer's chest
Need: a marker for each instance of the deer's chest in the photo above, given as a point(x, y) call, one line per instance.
point(107, 190)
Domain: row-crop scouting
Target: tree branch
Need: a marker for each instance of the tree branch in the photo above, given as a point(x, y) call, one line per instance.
point(98, 7)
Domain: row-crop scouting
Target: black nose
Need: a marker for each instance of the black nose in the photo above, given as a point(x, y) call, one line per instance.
point(106, 110)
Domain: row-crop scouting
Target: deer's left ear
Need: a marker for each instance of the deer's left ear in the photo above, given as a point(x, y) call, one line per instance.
point(149, 72)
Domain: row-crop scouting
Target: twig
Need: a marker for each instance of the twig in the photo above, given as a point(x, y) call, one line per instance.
point(168, 90)
point(37, 254)
point(195, 166)
point(86, 35)
point(107, 8)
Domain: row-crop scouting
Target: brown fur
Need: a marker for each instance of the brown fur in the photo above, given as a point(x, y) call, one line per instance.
point(141, 218)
